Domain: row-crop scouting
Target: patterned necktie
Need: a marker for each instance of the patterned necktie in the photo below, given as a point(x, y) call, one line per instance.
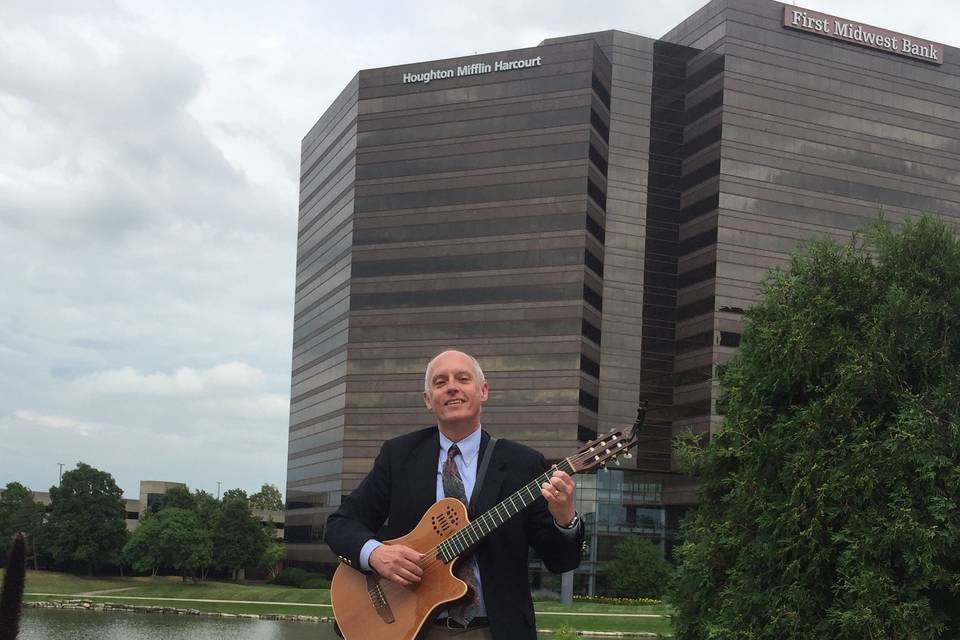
point(465, 611)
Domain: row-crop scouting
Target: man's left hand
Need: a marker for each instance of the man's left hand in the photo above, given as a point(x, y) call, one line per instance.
point(558, 493)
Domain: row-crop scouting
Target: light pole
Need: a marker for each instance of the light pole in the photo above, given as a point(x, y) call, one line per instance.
point(218, 489)
point(60, 479)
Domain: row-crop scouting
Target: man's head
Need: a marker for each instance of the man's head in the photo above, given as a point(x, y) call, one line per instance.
point(454, 390)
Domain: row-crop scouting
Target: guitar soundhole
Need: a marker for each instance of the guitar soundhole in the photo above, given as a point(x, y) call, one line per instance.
point(445, 523)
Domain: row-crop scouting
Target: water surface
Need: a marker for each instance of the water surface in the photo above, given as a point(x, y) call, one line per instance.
point(57, 624)
point(60, 624)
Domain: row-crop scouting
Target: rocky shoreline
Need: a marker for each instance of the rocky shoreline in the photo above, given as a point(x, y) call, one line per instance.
point(90, 605)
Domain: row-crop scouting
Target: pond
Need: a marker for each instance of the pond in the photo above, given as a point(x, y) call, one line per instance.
point(57, 624)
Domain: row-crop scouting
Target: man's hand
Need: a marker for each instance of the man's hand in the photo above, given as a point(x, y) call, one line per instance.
point(558, 493)
point(397, 563)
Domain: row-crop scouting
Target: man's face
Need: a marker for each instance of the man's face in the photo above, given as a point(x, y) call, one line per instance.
point(455, 394)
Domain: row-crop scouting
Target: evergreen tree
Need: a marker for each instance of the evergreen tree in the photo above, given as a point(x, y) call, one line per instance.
point(830, 498)
point(638, 569)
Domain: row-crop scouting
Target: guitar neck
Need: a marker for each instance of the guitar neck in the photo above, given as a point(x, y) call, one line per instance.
point(468, 537)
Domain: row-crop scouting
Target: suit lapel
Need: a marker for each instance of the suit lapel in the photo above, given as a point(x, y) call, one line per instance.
point(421, 468)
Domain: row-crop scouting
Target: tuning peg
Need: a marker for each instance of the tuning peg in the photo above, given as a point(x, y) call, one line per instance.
point(616, 461)
point(628, 455)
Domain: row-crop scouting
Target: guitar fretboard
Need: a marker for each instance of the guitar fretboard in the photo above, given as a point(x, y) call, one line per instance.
point(468, 537)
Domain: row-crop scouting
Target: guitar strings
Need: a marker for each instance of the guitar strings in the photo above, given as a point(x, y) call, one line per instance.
point(432, 557)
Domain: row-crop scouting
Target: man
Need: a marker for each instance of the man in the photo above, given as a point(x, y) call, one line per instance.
point(415, 470)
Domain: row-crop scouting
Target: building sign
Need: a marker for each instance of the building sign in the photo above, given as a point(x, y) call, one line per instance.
point(477, 68)
point(862, 34)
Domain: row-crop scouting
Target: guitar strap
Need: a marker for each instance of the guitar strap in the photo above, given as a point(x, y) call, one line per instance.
point(481, 472)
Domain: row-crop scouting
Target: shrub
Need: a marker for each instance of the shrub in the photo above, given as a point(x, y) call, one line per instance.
point(829, 500)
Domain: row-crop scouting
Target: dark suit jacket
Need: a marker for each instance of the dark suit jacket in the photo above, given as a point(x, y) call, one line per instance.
point(403, 484)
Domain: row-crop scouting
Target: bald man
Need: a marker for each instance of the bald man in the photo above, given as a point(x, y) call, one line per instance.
point(415, 470)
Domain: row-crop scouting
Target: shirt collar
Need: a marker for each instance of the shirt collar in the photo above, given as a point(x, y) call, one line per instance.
point(469, 447)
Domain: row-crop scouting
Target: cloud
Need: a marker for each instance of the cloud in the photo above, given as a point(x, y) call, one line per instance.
point(183, 382)
point(79, 427)
point(149, 170)
point(191, 424)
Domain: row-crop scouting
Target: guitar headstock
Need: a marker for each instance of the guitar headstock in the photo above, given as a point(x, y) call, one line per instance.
point(597, 453)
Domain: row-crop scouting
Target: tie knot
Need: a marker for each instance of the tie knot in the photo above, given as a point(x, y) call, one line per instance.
point(453, 452)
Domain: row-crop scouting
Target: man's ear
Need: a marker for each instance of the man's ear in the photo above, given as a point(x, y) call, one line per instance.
point(484, 391)
point(427, 401)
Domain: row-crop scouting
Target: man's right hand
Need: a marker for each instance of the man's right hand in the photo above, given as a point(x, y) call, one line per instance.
point(397, 563)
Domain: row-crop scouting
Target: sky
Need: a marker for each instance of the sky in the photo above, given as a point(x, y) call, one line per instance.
point(149, 163)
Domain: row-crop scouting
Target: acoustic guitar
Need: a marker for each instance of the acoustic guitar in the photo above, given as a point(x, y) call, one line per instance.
point(367, 606)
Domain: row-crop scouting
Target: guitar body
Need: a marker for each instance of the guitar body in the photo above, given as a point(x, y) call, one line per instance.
point(368, 606)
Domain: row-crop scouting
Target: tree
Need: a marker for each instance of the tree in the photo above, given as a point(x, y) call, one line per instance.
point(31, 519)
point(638, 569)
point(207, 507)
point(272, 556)
point(143, 551)
point(19, 512)
point(184, 543)
point(208, 512)
point(87, 518)
point(179, 497)
point(830, 498)
point(230, 494)
point(268, 498)
point(239, 539)
point(174, 536)
point(11, 501)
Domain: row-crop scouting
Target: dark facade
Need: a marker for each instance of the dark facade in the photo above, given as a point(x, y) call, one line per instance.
point(469, 212)
point(590, 218)
point(812, 136)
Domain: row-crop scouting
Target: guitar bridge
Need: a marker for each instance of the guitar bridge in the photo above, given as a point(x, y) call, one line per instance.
point(378, 599)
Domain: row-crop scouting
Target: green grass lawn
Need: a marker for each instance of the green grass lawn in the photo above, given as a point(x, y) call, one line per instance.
point(659, 626)
point(549, 614)
point(171, 587)
point(165, 588)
